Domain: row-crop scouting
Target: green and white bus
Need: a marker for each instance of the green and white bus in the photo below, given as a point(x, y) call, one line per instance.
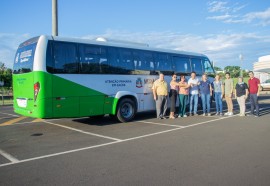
point(55, 77)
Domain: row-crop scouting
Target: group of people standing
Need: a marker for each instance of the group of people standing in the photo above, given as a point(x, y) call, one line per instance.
point(204, 88)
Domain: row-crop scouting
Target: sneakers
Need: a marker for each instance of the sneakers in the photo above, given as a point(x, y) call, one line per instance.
point(217, 114)
point(208, 114)
point(221, 114)
point(162, 117)
point(242, 115)
point(226, 114)
point(184, 116)
point(195, 114)
point(230, 114)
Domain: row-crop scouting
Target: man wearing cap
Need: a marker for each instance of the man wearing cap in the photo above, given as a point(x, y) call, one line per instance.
point(160, 92)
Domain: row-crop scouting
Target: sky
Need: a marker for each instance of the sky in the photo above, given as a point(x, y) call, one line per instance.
point(222, 30)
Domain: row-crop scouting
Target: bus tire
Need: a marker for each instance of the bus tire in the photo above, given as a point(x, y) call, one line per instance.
point(126, 110)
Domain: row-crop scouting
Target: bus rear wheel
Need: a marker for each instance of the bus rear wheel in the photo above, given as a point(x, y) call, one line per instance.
point(126, 110)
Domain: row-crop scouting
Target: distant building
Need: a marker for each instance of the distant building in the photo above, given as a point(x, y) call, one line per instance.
point(262, 68)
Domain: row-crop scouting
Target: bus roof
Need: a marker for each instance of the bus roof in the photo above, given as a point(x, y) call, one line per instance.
point(119, 43)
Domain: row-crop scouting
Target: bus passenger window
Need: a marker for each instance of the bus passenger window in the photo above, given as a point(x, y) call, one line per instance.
point(93, 59)
point(163, 63)
point(126, 59)
point(137, 58)
point(182, 64)
point(148, 61)
point(143, 62)
point(65, 58)
point(196, 65)
point(114, 60)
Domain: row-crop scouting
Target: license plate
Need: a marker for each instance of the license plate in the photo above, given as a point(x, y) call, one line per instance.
point(22, 102)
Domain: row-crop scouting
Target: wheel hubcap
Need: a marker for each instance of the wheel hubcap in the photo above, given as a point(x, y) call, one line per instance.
point(126, 110)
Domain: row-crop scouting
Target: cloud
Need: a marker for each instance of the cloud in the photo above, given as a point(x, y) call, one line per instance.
point(263, 17)
point(228, 13)
point(218, 6)
point(8, 46)
point(220, 17)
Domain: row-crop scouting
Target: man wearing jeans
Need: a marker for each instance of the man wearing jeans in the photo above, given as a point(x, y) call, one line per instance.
point(160, 92)
point(254, 92)
point(193, 82)
point(206, 93)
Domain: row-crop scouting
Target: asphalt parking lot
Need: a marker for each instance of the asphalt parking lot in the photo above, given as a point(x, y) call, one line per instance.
point(196, 150)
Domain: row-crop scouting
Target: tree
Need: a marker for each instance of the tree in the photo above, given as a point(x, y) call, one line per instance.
point(233, 70)
point(217, 68)
point(5, 75)
point(245, 74)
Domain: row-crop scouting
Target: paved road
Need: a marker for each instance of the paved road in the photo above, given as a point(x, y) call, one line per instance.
point(188, 151)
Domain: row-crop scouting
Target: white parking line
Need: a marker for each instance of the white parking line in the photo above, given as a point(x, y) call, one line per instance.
point(192, 125)
point(5, 118)
point(154, 123)
point(9, 157)
point(10, 114)
point(81, 131)
point(15, 161)
point(86, 148)
point(105, 144)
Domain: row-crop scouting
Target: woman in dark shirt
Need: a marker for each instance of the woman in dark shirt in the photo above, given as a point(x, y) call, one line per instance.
point(173, 95)
point(241, 94)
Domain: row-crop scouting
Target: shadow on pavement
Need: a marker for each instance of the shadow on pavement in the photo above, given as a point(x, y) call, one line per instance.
point(110, 120)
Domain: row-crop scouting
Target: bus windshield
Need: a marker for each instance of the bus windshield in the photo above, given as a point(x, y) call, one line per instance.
point(24, 57)
point(208, 67)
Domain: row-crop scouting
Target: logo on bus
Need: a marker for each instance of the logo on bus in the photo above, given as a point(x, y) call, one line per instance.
point(139, 83)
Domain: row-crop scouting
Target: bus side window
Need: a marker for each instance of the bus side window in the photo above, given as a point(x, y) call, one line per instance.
point(181, 64)
point(126, 62)
point(114, 60)
point(163, 63)
point(196, 64)
point(92, 59)
point(148, 61)
point(49, 58)
point(143, 62)
point(65, 58)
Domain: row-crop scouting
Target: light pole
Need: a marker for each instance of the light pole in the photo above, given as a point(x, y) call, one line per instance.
point(241, 70)
point(54, 18)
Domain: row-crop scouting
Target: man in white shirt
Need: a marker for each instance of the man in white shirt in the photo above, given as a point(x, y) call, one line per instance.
point(194, 93)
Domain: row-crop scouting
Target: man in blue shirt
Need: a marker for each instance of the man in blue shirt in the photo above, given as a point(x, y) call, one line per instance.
point(206, 93)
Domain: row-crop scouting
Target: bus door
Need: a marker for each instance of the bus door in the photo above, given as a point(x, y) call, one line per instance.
point(65, 93)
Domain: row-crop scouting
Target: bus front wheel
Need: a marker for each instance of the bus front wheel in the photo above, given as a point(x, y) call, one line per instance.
point(126, 110)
